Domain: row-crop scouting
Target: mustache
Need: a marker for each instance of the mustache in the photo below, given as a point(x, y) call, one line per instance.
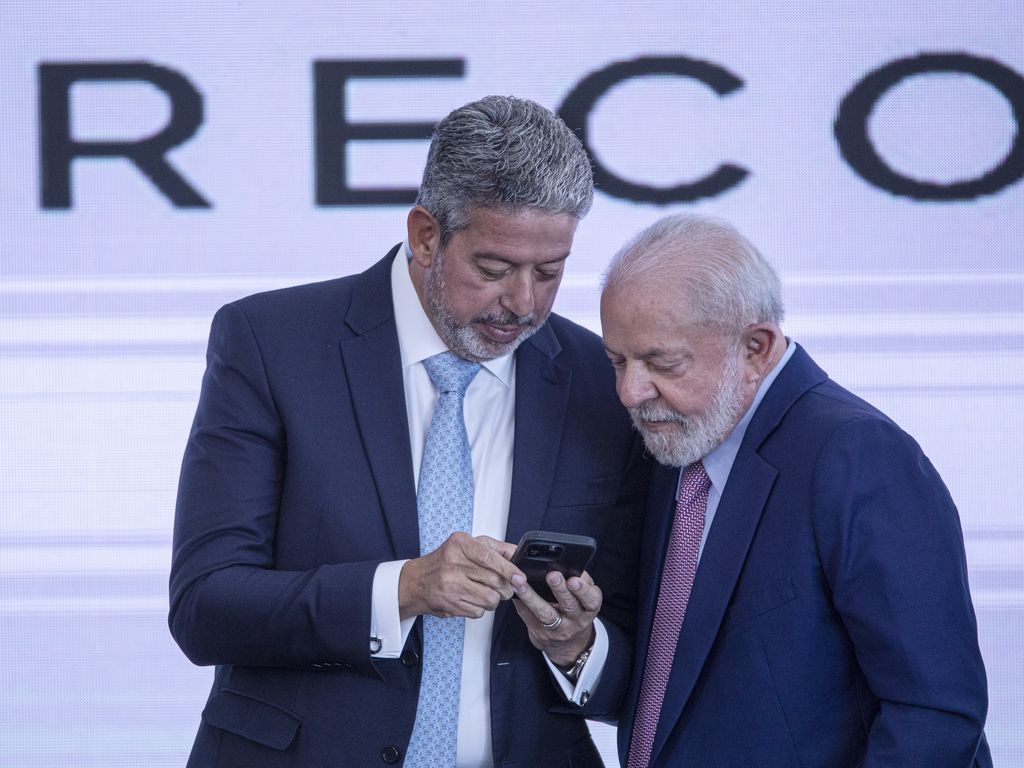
point(507, 318)
point(654, 412)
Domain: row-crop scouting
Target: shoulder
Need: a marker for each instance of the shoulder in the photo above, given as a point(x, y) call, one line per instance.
point(833, 404)
point(827, 410)
point(307, 297)
point(804, 397)
point(317, 306)
point(827, 419)
point(839, 434)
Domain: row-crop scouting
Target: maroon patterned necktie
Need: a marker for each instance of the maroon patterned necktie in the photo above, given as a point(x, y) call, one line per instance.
point(674, 594)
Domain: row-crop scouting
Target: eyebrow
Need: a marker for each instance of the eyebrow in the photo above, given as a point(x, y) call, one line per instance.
point(497, 257)
point(653, 353)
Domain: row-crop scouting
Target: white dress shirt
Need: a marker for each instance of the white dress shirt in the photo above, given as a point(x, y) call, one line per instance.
point(490, 424)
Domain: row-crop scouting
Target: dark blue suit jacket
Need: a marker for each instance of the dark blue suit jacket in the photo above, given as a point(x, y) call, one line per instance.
point(298, 481)
point(830, 623)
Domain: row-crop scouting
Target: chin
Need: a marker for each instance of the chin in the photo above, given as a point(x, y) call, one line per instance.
point(471, 344)
point(673, 448)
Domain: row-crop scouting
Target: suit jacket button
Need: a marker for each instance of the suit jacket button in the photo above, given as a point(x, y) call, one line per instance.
point(390, 754)
point(410, 658)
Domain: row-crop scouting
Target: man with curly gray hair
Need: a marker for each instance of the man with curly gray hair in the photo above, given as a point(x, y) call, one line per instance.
point(535, 162)
point(364, 455)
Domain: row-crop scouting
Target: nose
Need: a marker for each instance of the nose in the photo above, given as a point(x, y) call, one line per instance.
point(519, 298)
point(634, 385)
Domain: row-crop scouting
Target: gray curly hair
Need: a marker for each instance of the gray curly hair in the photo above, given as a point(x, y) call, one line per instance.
point(505, 153)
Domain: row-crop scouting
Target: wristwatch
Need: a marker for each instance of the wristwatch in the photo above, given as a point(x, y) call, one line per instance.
point(572, 671)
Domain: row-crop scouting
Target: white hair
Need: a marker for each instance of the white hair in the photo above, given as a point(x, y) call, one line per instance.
point(726, 282)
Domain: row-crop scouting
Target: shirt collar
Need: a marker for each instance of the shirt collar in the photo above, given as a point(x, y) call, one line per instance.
point(417, 339)
point(718, 463)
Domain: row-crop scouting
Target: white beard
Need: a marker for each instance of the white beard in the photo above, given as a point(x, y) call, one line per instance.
point(694, 437)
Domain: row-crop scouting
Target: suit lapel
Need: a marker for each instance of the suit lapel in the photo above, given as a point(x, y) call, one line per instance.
point(373, 365)
point(542, 394)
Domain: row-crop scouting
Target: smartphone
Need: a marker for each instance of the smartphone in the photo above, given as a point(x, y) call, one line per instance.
point(540, 552)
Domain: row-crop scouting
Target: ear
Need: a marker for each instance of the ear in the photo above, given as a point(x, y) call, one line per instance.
point(424, 235)
point(761, 348)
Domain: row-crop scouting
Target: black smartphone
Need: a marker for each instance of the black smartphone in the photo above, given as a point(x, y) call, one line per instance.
point(540, 552)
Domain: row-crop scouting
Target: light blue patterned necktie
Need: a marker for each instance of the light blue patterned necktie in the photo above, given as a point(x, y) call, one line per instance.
point(445, 503)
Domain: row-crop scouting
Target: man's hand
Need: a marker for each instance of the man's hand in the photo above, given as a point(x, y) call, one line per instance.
point(579, 600)
point(465, 576)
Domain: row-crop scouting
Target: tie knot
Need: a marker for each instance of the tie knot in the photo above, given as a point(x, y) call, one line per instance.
point(450, 373)
point(695, 480)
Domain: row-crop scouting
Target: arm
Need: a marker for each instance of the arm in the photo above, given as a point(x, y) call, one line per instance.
point(893, 554)
point(229, 603)
point(232, 602)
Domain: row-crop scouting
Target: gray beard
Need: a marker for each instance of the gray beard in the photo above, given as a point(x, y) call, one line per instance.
point(693, 437)
point(463, 339)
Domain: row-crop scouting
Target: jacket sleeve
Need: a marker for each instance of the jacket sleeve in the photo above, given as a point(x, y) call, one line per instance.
point(228, 602)
point(893, 553)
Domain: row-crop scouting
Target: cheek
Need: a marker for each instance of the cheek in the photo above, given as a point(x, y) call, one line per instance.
point(685, 400)
point(471, 300)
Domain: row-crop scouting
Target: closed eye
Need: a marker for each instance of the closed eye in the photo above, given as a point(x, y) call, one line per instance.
point(491, 274)
point(617, 362)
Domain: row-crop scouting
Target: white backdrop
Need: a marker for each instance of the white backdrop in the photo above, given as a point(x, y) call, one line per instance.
point(108, 284)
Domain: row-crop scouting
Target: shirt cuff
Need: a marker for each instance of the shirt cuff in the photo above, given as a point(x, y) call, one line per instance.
point(590, 675)
point(386, 626)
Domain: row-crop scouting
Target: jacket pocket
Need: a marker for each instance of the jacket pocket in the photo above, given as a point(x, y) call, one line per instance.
point(252, 719)
point(760, 601)
point(596, 491)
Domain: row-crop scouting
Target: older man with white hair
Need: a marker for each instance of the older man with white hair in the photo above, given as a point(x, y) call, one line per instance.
point(804, 599)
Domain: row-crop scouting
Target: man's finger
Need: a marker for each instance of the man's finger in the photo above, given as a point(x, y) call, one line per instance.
point(491, 580)
point(505, 549)
point(589, 595)
point(566, 600)
point(541, 609)
point(485, 553)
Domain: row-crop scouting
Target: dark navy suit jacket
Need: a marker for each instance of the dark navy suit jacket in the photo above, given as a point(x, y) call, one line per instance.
point(297, 482)
point(830, 623)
